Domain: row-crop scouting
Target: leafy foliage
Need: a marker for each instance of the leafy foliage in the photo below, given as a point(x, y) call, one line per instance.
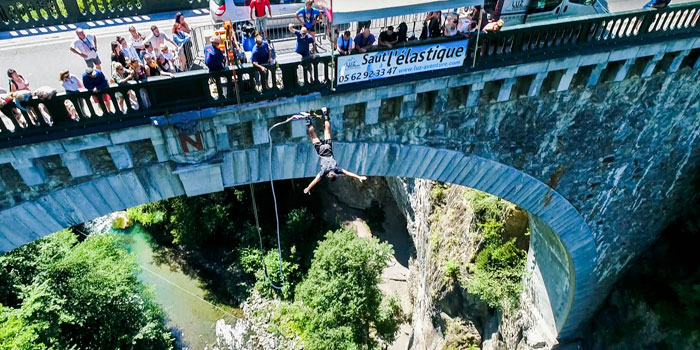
point(497, 279)
point(339, 302)
point(83, 295)
point(252, 264)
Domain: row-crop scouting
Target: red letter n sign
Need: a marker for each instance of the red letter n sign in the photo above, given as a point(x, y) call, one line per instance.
point(186, 141)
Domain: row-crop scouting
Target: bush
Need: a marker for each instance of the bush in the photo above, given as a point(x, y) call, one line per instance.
point(498, 275)
point(251, 263)
point(451, 269)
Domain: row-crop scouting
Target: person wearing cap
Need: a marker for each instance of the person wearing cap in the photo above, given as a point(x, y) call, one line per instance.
point(94, 80)
point(86, 47)
point(213, 57)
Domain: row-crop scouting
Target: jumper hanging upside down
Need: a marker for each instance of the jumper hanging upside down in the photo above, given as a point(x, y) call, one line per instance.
point(324, 149)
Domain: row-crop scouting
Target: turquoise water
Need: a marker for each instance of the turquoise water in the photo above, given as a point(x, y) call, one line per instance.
point(180, 296)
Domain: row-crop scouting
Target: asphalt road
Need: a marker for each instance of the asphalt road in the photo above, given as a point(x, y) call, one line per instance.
point(40, 57)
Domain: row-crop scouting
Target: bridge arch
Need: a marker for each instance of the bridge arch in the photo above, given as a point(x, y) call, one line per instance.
point(562, 249)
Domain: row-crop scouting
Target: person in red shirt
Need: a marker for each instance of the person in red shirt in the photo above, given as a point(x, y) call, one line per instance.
point(258, 15)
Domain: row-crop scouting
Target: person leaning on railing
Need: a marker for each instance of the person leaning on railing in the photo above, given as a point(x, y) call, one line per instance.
point(345, 44)
point(94, 81)
point(260, 58)
point(213, 57)
point(364, 41)
point(388, 38)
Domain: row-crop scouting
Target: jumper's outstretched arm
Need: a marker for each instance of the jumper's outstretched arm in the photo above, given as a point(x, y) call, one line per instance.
point(313, 183)
point(351, 174)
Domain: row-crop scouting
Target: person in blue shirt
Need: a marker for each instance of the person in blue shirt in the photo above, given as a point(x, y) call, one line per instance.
point(94, 80)
point(260, 57)
point(308, 16)
point(304, 39)
point(344, 44)
point(657, 4)
point(213, 57)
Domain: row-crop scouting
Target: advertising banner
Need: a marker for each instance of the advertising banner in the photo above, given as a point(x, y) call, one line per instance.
point(409, 60)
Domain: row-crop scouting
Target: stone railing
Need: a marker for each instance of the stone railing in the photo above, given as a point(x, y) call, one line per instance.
point(519, 47)
point(37, 13)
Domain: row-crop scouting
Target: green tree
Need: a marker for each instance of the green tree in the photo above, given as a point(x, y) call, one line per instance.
point(339, 302)
point(84, 296)
point(17, 333)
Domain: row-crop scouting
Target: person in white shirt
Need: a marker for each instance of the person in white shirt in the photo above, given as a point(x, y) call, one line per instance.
point(86, 47)
point(137, 40)
point(128, 50)
point(157, 39)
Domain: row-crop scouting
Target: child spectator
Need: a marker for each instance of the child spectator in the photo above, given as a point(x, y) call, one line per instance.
point(120, 75)
point(165, 65)
point(128, 50)
point(494, 26)
point(388, 38)
point(138, 72)
point(364, 40)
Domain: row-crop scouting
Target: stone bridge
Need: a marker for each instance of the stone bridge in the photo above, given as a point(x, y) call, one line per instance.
point(599, 146)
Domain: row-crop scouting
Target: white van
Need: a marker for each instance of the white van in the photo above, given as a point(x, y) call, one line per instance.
point(526, 11)
point(239, 10)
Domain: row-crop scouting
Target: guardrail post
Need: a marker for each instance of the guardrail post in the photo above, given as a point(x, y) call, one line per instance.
point(536, 84)
point(676, 64)
point(408, 105)
point(31, 171)
point(121, 156)
point(651, 65)
point(372, 111)
point(260, 131)
point(77, 164)
point(73, 11)
point(595, 74)
point(622, 72)
point(566, 79)
point(474, 93)
point(506, 88)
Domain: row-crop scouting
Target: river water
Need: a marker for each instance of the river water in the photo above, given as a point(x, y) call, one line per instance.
point(191, 318)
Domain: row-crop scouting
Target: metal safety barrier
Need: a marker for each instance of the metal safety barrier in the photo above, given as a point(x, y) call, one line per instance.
point(22, 14)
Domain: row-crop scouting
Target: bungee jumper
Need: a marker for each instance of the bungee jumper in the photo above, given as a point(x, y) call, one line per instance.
point(324, 149)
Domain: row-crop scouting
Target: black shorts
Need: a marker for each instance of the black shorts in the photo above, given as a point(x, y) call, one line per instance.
point(317, 145)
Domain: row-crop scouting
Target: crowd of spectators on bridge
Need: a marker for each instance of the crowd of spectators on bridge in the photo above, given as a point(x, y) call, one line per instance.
point(135, 56)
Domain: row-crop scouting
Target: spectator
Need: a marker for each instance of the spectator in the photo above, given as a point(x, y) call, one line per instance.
point(120, 75)
point(259, 16)
point(308, 16)
point(344, 44)
point(656, 4)
point(94, 81)
point(117, 54)
point(86, 47)
point(180, 19)
point(165, 65)
point(213, 57)
point(181, 39)
point(148, 50)
point(69, 82)
point(450, 27)
point(434, 28)
point(157, 39)
point(150, 66)
point(493, 26)
point(128, 50)
point(364, 40)
point(261, 57)
point(17, 82)
point(388, 38)
point(137, 40)
point(304, 39)
point(403, 33)
point(138, 72)
point(361, 25)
